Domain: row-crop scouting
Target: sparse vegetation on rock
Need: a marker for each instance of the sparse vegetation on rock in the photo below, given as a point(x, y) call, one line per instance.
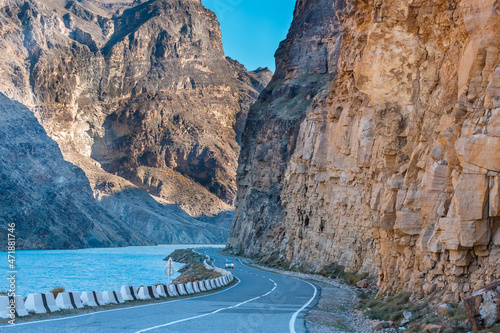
point(194, 268)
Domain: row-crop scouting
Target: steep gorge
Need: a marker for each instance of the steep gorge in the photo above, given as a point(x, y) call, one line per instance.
point(140, 96)
point(388, 155)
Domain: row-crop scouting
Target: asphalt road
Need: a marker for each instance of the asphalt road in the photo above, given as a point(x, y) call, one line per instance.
point(260, 302)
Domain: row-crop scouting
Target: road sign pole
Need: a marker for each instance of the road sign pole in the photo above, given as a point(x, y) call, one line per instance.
point(169, 268)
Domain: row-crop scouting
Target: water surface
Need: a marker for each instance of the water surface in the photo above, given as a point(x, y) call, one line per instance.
point(99, 269)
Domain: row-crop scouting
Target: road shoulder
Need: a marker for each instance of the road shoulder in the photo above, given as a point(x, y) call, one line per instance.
point(334, 308)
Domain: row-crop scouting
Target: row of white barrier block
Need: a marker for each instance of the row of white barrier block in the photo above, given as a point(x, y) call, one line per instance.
point(12, 305)
point(46, 303)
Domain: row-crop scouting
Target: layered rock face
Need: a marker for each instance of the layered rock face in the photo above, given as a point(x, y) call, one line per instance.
point(139, 95)
point(396, 172)
point(51, 197)
point(306, 63)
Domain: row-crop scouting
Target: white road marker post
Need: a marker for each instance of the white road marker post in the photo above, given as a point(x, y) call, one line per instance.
point(169, 268)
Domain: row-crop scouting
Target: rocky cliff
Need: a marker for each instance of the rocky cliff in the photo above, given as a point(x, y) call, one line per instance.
point(391, 165)
point(50, 200)
point(140, 96)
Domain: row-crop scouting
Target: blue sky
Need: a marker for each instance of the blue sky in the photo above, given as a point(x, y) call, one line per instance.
point(252, 29)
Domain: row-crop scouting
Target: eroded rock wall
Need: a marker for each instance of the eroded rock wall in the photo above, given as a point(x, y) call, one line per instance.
point(306, 63)
point(139, 95)
point(396, 173)
point(47, 199)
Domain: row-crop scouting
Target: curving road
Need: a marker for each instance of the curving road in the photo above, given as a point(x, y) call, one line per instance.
point(260, 302)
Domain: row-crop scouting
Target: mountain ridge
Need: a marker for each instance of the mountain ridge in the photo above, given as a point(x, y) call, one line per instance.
point(160, 111)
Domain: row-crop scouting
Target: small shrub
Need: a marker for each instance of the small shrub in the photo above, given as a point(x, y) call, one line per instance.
point(390, 309)
point(57, 291)
point(373, 302)
point(457, 314)
point(430, 319)
point(396, 316)
point(363, 295)
point(352, 279)
point(375, 314)
point(494, 329)
point(334, 270)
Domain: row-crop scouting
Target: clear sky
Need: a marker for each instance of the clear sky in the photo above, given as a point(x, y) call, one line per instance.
point(252, 29)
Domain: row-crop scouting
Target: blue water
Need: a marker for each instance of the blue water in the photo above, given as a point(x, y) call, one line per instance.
point(100, 269)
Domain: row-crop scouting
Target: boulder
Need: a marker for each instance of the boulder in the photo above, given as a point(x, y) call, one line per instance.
point(362, 284)
point(444, 309)
point(408, 317)
point(377, 325)
point(433, 328)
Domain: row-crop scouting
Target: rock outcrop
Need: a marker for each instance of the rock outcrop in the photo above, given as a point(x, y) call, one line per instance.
point(305, 65)
point(139, 95)
point(394, 170)
point(48, 199)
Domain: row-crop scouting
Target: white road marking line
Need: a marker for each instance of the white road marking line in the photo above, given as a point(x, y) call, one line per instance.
point(120, 309)
point(294, 316)
point(210, 313)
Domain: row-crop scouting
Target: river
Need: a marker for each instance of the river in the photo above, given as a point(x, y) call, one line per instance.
point(99, 269)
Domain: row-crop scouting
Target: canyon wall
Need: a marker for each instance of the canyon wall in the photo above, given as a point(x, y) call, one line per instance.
point(140, 96)
point(51, 202)
point(394, 171)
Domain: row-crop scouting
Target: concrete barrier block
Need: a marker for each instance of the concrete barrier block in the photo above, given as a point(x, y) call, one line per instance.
point(118, 296)
point(92, 298)
point(88, 298)
point(69, 300)
point(109, 298)
point(201, 285)
point(148, 292)
point(217, 282)
point(208, 285)
point(161, 289)
point(196, 288)
point(113, 297)
point(152, 292)
point(74, 297)
point(63, 301)
point(98, 297)
point(212, 283)
point(181, 289)
point(41, 303)
point(12, 306)
point(19, 304)
point(128, 293)
point(4, 307)
point(51, 301)
point(34, 303)
point(172, 290)
point(143, 293)
point(189, 287)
